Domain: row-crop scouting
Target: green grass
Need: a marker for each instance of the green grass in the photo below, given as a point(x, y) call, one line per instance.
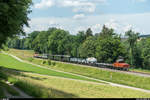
point(121, 78)
point(56, 87)
point(9, 62)
point(141, 70)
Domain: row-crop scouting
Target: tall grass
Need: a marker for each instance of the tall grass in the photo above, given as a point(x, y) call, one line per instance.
point(35, 89)
point(52, 87)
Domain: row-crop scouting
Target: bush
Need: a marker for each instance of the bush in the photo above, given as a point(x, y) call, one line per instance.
point(43, 62)
point(49, 62)
point(53, 63)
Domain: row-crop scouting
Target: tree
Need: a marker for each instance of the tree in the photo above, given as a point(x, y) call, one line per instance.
point(31, 38)
point(89, 32)
point(81, 36)
point(132, 40)
point(146, 53)
point(13, 17)
point(57, 41)
point(106, 32)
point(109, 46)
point(88, 48)
point(40, 43)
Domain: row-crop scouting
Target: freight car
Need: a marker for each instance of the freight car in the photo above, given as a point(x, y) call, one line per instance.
point(119, 64)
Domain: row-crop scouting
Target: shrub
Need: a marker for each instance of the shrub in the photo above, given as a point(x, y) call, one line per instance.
point(43, 62)
point(53, 63)
point(49, 62)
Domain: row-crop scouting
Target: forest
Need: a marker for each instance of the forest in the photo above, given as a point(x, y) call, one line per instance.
point(106, 45)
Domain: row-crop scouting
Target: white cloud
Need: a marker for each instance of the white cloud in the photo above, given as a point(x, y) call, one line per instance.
point(96, 28)
point(79, 16)
point(86, 6)
point(112, 24)
point(127, 27)
point(79, 5)
point(120, 22)
point(44, 4)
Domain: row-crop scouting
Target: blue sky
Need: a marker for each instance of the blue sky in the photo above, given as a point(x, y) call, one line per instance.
point(76, 15)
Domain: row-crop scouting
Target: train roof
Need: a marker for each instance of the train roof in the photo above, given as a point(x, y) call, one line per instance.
point(60, 55)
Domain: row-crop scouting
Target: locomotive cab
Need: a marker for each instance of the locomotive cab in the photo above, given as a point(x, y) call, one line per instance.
point(121, 64)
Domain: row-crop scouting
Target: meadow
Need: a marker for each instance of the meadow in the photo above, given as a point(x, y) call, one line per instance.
point(10, 62)
point(57, 87)
point(121, 78)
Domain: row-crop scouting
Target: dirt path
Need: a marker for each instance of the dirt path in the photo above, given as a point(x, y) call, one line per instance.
point(110, 83)
point(22, 94)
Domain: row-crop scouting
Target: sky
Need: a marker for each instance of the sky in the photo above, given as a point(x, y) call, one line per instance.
point(78, 15)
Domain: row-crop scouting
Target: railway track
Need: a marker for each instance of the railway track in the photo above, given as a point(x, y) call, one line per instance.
point(113, 70)
point(105, 67)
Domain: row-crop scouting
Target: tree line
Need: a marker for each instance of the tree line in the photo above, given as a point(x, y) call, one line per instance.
point(106, 46)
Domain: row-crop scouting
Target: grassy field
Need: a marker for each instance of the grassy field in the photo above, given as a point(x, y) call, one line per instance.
point(28, 54)
point(10, 62)
point(141, 70)
point(56, 87)
point(121, 78)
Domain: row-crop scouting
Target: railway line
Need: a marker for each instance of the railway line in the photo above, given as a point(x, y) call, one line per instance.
point(113, 70)
point(104, 66)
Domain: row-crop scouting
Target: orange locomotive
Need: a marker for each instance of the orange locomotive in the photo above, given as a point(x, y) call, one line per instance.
point(120, 64)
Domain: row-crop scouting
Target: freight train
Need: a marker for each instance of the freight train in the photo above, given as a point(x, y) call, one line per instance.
point(119, 64)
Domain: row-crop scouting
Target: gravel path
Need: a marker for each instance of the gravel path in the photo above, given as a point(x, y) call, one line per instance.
point(110, 83)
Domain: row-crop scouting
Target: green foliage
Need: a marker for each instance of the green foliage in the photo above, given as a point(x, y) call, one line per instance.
point(43, 62)
point(132, 40)
point(88, 48)
point(109, 46)
point(53, 63)
point(146, 53)
point(13, 17)
point(5, 48)
point(105, 46)
point(89, 32)
point(106, 32)
point(49, 62)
